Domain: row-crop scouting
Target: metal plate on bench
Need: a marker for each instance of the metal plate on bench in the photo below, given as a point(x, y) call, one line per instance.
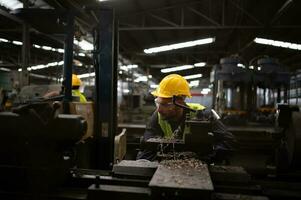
point(139, 168)
point(182, 178)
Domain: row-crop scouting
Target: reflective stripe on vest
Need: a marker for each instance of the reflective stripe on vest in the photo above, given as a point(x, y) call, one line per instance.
point(165, 126)
point(82, 98)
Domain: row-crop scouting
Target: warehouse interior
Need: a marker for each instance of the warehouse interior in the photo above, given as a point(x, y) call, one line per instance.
point(241, 59)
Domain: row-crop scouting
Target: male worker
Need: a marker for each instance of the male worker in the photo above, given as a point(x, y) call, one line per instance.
point(168, 120)
point(76, 83)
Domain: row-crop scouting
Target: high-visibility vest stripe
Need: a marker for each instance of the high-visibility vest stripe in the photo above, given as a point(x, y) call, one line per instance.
point(165, 126)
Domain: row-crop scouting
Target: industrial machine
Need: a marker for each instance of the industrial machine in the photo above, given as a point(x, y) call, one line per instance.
point(253, 103)
point(245, 94)
point(37, 146)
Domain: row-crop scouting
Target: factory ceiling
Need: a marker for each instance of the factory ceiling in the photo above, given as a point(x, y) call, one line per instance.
point(144, 24)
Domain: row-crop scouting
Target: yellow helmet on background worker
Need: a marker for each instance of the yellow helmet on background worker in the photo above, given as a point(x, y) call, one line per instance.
point(172, 85)
point(75, 80)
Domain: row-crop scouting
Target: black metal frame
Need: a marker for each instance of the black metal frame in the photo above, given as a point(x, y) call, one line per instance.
point(106, 92)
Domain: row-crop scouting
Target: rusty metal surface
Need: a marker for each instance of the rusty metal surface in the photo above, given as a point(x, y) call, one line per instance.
point(137, 163)
point(182, 175)
point(177, 155)
point(141, 168)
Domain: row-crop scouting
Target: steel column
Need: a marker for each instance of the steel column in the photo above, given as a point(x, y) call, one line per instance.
point(25, 51)
point(105, 104)
point(68, 60)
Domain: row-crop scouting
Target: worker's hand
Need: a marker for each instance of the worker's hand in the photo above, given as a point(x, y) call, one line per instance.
point(204, 115)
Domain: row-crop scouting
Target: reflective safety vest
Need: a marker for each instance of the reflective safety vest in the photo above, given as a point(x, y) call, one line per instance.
point(165, 126)
point(77, 93)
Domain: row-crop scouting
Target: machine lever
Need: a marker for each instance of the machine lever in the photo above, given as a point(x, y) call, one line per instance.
point(182, 106)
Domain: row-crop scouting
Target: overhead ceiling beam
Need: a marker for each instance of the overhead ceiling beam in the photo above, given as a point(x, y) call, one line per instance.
point(246, 12)
point(161, 8)
point(186, 28)
point(18, 20)
point(152, 34)
point(10, 30)
point(247, 45)
point(140, 28)
point(281, 10)
point(141, 54)
point(203, 15)
point(10, 16)
point(163, 20)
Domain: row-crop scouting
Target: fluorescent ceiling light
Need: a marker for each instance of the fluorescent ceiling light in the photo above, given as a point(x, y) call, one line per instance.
point(193, 76)
point(207, 89)
point(276, 43)
point(60, 50)
point(141, 79)
point(194, 83)
point(5, 69)
point(200, 64)
point(154, 86)
point(11, 4)
point(135, 74)
point(204, 92)
point(3, 40)
point(52, 64)
point(240, 65)
point(184, 67)
point(179, 45)
point(87, 75)
point(17, 43)
point(42, 76)
point(126, 91)
point(42, 66)
point(132, 66)
point(179, 68)
point(127, 67)
point(47, 48)
point(85, 45)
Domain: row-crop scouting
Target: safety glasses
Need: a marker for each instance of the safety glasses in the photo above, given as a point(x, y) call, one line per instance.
point(169, 105)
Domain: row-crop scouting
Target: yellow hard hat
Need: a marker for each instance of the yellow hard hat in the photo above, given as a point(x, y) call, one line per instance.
point(172, 85)
point(75, 80)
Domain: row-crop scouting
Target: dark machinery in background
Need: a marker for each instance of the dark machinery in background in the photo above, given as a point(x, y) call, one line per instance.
point(253, 103)
point(37, 146)
point(231, 84)
point(249, 93)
